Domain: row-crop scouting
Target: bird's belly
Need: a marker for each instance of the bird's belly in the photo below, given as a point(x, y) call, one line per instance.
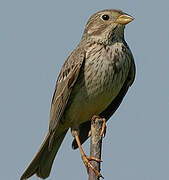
point(98, 84)
point(89, 101)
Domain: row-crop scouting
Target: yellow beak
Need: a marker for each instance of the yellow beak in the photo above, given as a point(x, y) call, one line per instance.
point(124, 19)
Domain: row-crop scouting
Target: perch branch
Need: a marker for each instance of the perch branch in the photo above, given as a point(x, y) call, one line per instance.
point(95, 146)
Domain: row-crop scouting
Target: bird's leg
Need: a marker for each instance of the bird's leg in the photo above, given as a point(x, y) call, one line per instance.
point(86, 160)
point(103, 130)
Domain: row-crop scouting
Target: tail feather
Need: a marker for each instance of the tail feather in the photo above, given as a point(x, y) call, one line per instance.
point(42, 162)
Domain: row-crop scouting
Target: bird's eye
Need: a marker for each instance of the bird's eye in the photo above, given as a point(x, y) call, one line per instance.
point(105, 17)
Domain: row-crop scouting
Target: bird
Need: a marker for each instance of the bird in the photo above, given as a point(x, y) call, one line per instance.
point(92, 82)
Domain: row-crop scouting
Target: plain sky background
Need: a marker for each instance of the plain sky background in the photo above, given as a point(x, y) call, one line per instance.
point(36, 36)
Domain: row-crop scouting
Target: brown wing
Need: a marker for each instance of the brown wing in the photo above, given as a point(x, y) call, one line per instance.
point(109, 111)
point(64, 84)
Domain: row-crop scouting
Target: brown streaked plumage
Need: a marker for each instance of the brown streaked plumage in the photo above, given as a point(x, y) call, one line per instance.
point(93, 81)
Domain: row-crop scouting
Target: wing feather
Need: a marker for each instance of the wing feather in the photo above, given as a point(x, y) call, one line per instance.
point(67, 78)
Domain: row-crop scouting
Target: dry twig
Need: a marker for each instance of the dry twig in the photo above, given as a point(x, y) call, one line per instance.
point(95, 146)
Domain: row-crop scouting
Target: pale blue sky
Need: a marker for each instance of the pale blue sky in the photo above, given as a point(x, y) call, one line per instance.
point(36, 36)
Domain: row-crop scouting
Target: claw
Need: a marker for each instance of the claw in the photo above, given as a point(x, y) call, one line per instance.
point(103, 130)
point(93, 159)
point(95, 117)
point(88, 165)
point(89, 134)
point(86, 160)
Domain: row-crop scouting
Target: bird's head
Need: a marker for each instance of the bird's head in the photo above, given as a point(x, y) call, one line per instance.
point(106, 25)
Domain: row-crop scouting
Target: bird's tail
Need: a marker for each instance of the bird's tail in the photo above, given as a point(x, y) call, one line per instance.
point(42, 162)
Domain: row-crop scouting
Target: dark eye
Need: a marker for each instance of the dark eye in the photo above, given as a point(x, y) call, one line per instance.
point(105, 17)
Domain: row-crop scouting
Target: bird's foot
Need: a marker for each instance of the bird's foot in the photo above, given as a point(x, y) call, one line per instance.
point(95, 117)
point(90, 133)
point(86, 161)
point(103, 129)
